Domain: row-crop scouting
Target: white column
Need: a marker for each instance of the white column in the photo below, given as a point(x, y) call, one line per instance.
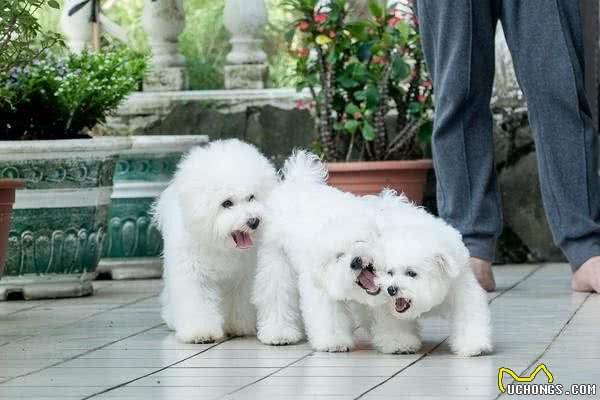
point(76, 27)
point(163, 22)
point(246, 67)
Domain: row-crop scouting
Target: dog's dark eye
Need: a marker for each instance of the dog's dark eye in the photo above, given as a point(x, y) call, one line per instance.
point(227, 204)
point(251, 198)
point(339, 255)
point(411, 273)
point(390, 273)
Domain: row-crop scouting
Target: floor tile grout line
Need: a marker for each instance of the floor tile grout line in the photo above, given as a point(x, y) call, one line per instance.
point(558, 334)
point(156, 371)
point(423, 356)
point(266, 376)
point(82, 354)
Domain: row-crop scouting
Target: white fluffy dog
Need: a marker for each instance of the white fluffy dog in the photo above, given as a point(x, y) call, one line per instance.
point(325, 251)
point(209, 216)
point(423, 266)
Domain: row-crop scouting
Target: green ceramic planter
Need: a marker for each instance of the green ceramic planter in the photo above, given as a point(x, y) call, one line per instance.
point(59, 219)
point(133, 245)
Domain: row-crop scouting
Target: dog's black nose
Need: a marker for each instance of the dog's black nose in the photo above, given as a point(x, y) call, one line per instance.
point(356, 263)
point(392, 290)
point(253, 223)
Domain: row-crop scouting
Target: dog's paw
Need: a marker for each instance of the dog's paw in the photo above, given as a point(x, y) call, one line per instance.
point(279, 335)
point(199, 335)
point(333, 344)
point(470, 347)
point(401, 343)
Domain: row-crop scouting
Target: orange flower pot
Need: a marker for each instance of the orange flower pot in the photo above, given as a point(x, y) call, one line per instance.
point(371, 177)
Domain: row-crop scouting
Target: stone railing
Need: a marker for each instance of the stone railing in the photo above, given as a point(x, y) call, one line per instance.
point(163, 21)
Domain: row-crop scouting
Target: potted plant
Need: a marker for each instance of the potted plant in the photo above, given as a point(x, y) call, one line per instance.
point(59, 218)
point(370, 89)
point(133, 244)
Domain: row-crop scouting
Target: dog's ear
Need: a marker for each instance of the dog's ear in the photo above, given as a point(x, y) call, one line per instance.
point(447, 264)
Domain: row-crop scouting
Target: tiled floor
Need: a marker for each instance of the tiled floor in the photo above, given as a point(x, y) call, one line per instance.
point(113, 345)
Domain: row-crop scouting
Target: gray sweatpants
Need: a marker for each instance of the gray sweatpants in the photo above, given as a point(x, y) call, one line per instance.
point(545, 40)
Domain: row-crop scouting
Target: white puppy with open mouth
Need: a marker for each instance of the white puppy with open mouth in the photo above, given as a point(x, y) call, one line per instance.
point(327, 254)
point(305, 272)
point(210, 216)
point(422, 266)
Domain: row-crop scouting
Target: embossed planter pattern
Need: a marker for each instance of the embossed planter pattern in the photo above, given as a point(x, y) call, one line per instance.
point(133, 245)
point(59, 218)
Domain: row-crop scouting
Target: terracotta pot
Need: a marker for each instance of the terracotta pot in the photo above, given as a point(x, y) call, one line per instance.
point(371, 177)
point(7, 198)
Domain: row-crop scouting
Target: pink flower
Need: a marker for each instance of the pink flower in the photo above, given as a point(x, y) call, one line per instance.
point(300, 104)
point(321, 18)
point(332, 34)
point(427, 84)
point(303, 53)
point(393, 21)
point(422, 98)
point(357, 115)
point(303, 25)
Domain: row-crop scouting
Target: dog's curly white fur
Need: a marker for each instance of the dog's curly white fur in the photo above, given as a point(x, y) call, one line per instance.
point(325, 250)
point(209, 217)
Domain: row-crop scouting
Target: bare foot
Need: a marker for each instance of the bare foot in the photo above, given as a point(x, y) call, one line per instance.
point(483, 272)
point(587, 277)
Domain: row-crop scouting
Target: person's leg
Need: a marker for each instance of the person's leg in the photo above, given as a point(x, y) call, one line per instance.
point(545, 39)
point(458, 42)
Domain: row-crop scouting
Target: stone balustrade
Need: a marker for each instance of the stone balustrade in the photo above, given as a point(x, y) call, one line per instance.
point(163, 21)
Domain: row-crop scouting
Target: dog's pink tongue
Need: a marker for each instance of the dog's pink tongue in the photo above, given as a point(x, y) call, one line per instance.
point(367, 281)
point(242, 240)
point(402, 304)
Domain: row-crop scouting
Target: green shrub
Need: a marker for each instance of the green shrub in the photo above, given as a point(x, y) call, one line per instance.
point(59, 97)
point(359, 70)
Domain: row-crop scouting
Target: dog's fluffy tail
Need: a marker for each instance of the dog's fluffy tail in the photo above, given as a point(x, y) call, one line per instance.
point(304, 166)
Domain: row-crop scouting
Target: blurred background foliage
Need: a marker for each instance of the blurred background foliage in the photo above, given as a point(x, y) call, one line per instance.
point(204, 41)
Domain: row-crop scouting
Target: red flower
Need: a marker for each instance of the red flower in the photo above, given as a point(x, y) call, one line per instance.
point(303, 25)
point(300, 104)
point(393, 21)
point(422, 98)
point(379, 60)
point(321, 18)
point(332, 34)
point(427, 84)
point(303, 53)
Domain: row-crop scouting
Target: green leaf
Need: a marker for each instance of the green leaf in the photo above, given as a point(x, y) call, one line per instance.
point(338, 126)
point(351, 125)
point(368, 132)
point(360, 95)
point(400, 69)
point(425, 132)
point(347, 82)
point(375, 8)
point(415, 109)
point(372, 96)
point(289, 35)
point(53, 4)
point(351, 108)
point(404, 30)
point(364, 51)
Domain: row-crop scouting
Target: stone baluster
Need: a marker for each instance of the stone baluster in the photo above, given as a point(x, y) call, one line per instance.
point(163, 22)
point(77, 27)
point(246, 66)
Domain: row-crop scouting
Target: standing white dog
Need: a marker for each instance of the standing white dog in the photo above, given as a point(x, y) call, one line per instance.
point(209, 216)
point(325, 251)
